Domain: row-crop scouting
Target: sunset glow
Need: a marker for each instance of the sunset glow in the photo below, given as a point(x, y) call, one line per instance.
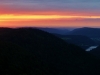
point(49, 13)
point(45, 20)
point(10, 19)
point(45, 17)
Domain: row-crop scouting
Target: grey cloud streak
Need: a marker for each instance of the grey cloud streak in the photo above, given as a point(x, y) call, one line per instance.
point(88, 5)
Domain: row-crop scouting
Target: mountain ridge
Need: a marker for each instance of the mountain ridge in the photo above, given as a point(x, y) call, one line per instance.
point(43, 54)
point(90, 32)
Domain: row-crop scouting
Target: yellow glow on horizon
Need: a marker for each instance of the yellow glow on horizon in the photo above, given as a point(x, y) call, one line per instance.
point(60, 20)
point(11, 17)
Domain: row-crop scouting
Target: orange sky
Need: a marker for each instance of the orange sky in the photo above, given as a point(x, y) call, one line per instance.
point(49, 19)
point(50, 13)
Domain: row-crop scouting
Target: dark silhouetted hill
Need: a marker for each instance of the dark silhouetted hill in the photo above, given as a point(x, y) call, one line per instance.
point(90, 32)
point(27, 51)
point(79, 40)
point(96, 52)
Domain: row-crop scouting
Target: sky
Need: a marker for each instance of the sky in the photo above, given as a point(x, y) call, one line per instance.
point(49, 13)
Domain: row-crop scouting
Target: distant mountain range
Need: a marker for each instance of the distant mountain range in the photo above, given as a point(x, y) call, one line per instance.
point(86, 31)
point(28, 51)
point(55, 30)
point(90, 32)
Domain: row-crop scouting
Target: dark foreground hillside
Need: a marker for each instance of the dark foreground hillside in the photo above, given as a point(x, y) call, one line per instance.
point(79, 40)
point(96, 52)
point(27, 51)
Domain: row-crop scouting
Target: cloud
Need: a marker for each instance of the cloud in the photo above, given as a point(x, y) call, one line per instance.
point(46, 1)
point(32, 5)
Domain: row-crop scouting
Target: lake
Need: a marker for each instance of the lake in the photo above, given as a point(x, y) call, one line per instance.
point(91, 48)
